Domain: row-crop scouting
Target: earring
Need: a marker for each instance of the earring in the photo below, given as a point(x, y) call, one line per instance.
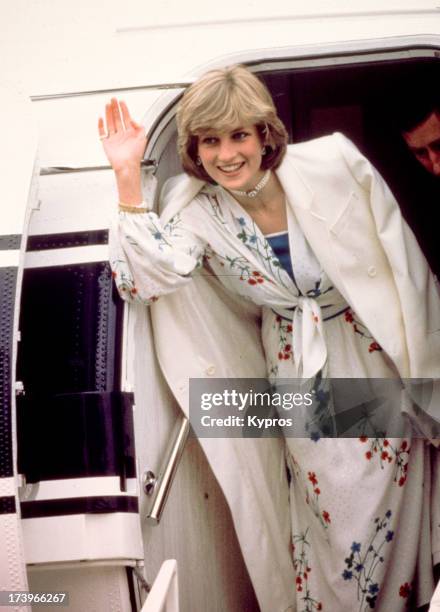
point(198, 161)
point(264, 150)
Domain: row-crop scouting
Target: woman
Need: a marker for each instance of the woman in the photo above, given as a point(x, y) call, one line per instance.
point(315, 239)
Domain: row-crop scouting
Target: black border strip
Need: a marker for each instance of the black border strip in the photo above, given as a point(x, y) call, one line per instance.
point(7, 505)
point(8, 286)
point(79, 505)
point(10, 242)
point(66, 240)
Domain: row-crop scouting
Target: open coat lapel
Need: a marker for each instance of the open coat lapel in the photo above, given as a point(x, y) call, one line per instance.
point(300, 200)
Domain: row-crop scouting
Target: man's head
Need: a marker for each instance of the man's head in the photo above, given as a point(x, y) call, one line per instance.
point(423, 140)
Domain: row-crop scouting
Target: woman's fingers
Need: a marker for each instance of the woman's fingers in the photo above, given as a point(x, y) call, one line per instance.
point(101, 129)
point(128, 121)
point(125, 114)
point(109, 119)
point(119, 124)
point(116, 115)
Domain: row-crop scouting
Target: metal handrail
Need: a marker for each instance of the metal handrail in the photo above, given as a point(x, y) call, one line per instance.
point(48, 170)
point(159, 487)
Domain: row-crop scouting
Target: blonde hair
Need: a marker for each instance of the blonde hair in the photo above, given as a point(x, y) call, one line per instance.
point(221, 100)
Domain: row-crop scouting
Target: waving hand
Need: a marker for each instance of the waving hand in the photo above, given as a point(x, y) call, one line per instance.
point(123, 139)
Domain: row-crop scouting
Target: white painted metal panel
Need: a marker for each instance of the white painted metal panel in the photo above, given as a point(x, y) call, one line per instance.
point(53, 50)
point(17, 180)
point(74, 202)
point(90, 588)
point(19, 134)
point(113, 537)
point(78, 487)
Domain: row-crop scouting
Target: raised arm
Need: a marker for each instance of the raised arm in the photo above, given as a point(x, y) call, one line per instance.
point(148, 258)
point(124, 143)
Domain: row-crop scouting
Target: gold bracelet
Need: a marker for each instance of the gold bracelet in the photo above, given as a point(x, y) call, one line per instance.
point(132, 209)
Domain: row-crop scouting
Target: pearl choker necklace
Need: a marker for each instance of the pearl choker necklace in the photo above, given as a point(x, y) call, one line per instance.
point(252, 193)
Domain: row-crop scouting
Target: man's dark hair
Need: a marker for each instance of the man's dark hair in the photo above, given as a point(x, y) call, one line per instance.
point(416, 95)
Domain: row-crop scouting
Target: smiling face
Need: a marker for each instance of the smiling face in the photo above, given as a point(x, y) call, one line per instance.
point(424, 142)
point(232, 158)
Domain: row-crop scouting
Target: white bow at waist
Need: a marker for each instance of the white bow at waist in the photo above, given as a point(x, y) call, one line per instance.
point(308, 340)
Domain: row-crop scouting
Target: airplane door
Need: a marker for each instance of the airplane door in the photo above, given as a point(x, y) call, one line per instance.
point(18, 178)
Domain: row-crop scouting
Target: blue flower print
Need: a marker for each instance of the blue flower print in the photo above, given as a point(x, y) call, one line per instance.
point(355, 547)
point(361, 566)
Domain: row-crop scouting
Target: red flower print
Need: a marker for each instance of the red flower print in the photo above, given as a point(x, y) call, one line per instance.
point(384, 455)
point(349, 316)
point(260, 280)
point(374, 346)
point(286, 356)
point(288, 347)
point(363, 439)
point(317, 491)
point(114, 275)
point(404, 445)
point(256, 273)
point(319, 606)
point(289, 328)
point(402, 481)
point(312, 478)
point(315, 318)
point(386, 443)
point(368, 455)
point(326, 516)
point(252, 281)
point(299, 580)
point(153, 298)
point(405, 590)
point(280, 355)
point(134, 291)
point(278, 319)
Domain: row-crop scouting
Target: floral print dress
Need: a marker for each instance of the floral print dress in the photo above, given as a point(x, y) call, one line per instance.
point(363, 535)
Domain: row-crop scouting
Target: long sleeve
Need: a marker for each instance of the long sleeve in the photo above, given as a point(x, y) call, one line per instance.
point(149, 259)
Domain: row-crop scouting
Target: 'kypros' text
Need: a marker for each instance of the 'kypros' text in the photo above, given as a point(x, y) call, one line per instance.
point(249, 421)
point(236, 399)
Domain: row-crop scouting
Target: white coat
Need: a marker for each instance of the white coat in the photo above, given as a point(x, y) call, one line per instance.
point(353, 224)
